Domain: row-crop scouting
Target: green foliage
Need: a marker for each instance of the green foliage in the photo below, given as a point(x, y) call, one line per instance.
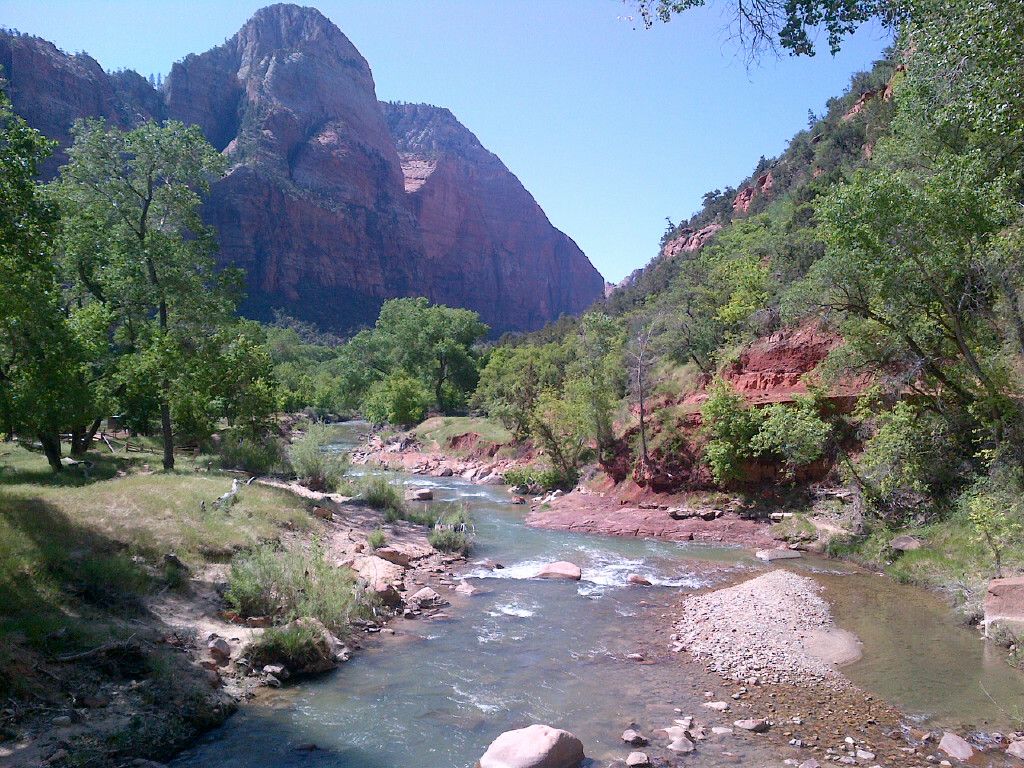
point(42, 365)
point(536, 479)
point(296, 646)
point(259, 455)
point(132, 240)
point(316, 465)
point(995, 511)
point(794, 433)
point(376, 538)
point(291, 584)
point(730, 427)
point(398, 399)
point(378, 493)
point(453, 531)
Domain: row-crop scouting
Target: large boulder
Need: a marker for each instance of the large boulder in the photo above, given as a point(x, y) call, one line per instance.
point(419, 494)
point(536, 746)
point(560, 570)
point(906, 543)
point(1004, 603)
point(956, 747)
point(381, 577)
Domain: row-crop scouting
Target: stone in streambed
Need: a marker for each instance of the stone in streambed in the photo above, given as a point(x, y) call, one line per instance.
point(560, 570)
point(637, 760)
point(419, 494)
point(536, 746)
point(769, 555)
point(954, 746)
point(1016, 749)
point(465, 588)
point(756, 726)
point(634, 738)
point(636, 578)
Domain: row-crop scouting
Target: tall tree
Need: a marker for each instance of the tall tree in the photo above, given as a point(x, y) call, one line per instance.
point(133, 241)
point(39, 360)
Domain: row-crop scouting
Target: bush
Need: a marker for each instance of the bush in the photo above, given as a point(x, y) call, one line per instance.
point(453, 532)
point(317, 468)
point(398, 399)
point(378, 493)
point(240, 450)
point(794, 433)
point(296, 646)
point(537, 479)
point(292, 584)
point(730, 426)
point(376, 539)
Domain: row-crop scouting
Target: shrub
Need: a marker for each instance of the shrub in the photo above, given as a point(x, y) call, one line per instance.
point(296, 646)
point(317, 467)
point(453, 532)
point(292, 584)
point(378, 493)
point(794, 433)
point(376, 539)
point(398, 399)
point(730, 426)
point(537, 478)
point(240, 450)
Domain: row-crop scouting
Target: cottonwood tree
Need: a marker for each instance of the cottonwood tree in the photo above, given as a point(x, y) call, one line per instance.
point(643, 354)
point(132, 240)
point(40, 384)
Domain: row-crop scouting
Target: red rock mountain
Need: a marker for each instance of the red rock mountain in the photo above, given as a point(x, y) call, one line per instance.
point(333, 202)
point(476, 221)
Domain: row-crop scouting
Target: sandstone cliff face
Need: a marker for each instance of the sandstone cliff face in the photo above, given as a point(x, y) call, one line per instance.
point(51, 90)
point(318, 207)
point(485, 239)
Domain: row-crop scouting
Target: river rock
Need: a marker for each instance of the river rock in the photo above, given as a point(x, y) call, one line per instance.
point(560, 570)
point(812, 763)
point(426, 598)
point(219, 649)
point(718, 706)
point(769, 555)
point(536, 746)
point(1004, 603)
point(1016, 749)
point(638, 760)
point(634, 738)
point(956, 747)
point(494, 478)
point(446, 472)
point(518, 500)
point(381, 577)
point(751, 724)
point(465, 588)
point(636, 578)
point(393, 555)
point(906, 543)
point(419, 494)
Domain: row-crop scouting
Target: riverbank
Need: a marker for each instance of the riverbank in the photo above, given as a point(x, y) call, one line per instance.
point(116, 639)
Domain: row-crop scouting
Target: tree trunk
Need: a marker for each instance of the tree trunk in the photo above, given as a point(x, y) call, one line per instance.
point(168, 434)
point(51, 447)
point(82, 437)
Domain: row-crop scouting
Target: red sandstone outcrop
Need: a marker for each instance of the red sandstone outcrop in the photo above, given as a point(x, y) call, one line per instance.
point(318, 208)
point(762, 186)
point(485, 239)
point(689, 240)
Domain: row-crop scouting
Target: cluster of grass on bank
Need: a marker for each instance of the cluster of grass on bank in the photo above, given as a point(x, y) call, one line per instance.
point(953, 558)
point(438, 431)
point(79, 554)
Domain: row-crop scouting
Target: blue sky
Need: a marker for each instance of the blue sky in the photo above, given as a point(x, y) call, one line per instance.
point(611, 126)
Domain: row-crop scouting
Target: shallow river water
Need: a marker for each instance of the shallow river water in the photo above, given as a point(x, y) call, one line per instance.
point(526, 650)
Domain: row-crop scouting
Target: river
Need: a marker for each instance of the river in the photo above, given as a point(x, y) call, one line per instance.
point(524, 650)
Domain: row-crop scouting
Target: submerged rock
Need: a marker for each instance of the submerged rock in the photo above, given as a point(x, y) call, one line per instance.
point(956, 747)
point(536, 746)
point(560, 570)
point(768, 555)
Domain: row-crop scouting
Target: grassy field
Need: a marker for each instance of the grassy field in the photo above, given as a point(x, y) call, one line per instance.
point(439, 430)
point(76, 552)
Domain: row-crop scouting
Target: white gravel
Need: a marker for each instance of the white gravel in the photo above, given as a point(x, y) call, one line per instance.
point(774, 628)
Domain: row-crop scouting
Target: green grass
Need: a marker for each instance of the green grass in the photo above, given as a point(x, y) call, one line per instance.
point(295, 583)
point(74, 550)
point(376, 539)
point(378, 493)
point(954, 558)
point(440, 430)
